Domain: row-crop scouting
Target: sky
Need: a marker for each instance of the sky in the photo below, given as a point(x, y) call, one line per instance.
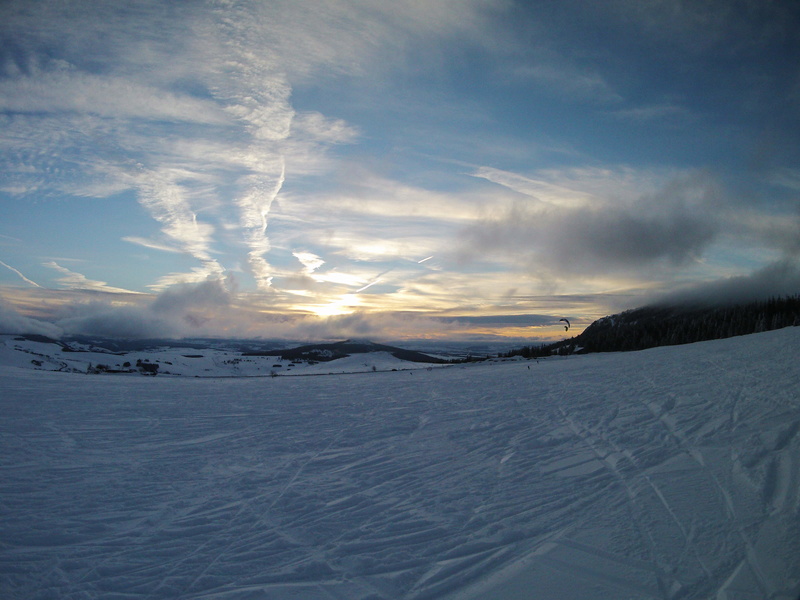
point(405, 169)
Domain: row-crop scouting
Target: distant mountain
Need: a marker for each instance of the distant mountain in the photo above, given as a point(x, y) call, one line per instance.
point(332, 351)
point(652, 326)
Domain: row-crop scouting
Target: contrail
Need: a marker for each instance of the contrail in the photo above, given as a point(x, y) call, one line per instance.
point(379, 277)
point(369, 285)
point(25, 279)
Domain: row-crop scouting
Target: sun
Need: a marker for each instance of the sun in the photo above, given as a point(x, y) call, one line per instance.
point(344, 305)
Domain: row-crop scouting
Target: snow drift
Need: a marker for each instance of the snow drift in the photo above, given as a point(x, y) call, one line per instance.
point(668, 473)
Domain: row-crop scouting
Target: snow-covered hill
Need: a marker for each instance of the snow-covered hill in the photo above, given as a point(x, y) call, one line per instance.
point(41, 354)
point(664, 474)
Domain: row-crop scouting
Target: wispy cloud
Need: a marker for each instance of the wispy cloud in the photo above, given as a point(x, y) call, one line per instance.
point(69, 90)
point(555, 194)
point(217, 111)
point(569, 81)
point(231, 88)
point(77, 281)
point(152, 244)
point(320, 129)
point(166, 201)
point(652, 112)
point(310, 261)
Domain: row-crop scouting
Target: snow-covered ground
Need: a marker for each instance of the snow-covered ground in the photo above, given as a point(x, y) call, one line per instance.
point(665, 474)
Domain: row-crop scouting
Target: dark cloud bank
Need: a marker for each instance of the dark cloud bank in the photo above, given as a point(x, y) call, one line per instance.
point(672, 226)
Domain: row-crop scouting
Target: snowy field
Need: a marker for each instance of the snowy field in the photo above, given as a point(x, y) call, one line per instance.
point(665, 474)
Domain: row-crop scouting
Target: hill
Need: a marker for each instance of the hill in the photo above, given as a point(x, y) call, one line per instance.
point(204, 358)
point(336, 350)
point(669, 325)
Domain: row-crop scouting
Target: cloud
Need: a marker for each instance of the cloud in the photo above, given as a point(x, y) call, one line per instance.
point(78, 281)
point(652, 112)
point(780, 278)
point(617, 238)
point(69, 90)
point(183, 310)
point(210, 294)
point(310, 261)
point(538, 189)
point(13, 322)
point(123, 322)
point(47, 154)
point(215, 308)
point(164, 202)
point(321, 129)
point(371, 219)
point(786, 177)
point(564, 230)
point(353, 37)
point(254, 206)
point(363, 324)
point(154, 245)
point(190, 107)
point(568, 81)
point(208, 270)
point(515, 320)
point(211, 125)
point(759, 229)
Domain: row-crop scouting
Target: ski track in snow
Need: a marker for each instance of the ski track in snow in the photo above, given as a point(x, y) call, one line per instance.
point(666, 474)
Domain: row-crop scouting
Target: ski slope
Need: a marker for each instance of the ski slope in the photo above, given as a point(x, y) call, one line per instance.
point(672, 473)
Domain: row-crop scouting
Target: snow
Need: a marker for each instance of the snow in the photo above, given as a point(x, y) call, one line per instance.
point(664, 474)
